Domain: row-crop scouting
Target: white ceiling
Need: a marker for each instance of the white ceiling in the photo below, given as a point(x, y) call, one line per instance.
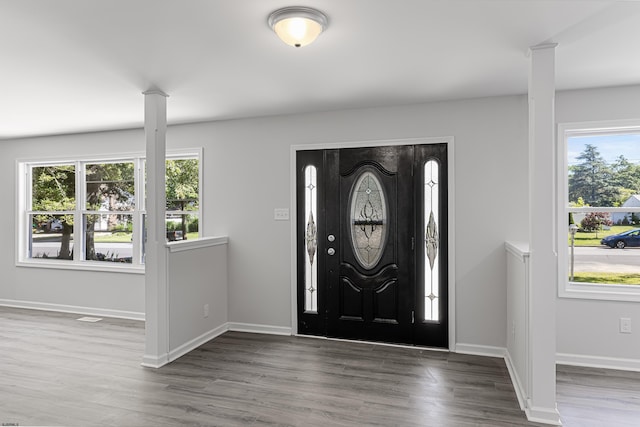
point(80, 65)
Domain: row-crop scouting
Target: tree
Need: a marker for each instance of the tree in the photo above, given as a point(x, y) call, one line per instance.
point(626, 174)
point(53, 190)
point(110, 186)
point(626, 177)
point(592, 179)
point(594, 221)
point(182, 187)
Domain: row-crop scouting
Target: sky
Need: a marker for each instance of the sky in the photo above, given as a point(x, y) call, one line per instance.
point(610, 147)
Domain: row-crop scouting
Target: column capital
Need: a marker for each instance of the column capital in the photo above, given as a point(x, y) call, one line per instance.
point(155, 92)
point(543, 46)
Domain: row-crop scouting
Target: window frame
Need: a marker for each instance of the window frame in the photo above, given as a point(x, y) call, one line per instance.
point(24, 188)
point(566, 288)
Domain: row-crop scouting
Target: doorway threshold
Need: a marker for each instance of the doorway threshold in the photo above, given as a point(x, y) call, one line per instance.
point(386, 344)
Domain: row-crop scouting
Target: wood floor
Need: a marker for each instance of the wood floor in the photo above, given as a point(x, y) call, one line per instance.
point(57, 371)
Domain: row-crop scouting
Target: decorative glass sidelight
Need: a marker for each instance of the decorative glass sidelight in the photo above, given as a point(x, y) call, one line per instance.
point(311, 240)
point(368, 219)
point(431, 242)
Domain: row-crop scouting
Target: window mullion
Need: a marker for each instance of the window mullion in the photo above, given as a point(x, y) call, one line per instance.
point(78, 230)
point(136, 250)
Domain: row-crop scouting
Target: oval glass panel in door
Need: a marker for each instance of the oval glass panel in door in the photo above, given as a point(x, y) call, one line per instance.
point(368, 222)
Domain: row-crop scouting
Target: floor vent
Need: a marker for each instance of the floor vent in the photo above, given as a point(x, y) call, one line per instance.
point(89, 319)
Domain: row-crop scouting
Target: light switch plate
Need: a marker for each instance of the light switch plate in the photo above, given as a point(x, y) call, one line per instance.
point(281, 214)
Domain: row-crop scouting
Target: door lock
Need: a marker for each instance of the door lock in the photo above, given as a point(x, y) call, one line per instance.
point(331, 237)
point(331, 251)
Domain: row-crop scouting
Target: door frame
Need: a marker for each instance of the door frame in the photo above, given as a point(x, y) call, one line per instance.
point(449, 141)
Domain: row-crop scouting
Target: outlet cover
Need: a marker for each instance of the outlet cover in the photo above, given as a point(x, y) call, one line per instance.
point(625, 325)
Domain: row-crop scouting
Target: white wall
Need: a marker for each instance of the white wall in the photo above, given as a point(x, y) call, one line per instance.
point(246, 176)
point(105, 293)
point(587, 327)
point(197, 277)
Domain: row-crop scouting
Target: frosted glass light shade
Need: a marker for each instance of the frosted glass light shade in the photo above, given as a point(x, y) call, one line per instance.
point(297, 26)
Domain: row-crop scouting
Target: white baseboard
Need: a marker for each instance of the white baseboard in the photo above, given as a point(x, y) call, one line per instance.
point(197, 342)
point(481, 350)
point(543, 415)
point(521, 392)
point(155, 361)
point(91, 311)
point(259, 329)
point(598, 362)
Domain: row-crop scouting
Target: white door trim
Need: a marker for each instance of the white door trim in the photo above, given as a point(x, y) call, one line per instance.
point(449, 140)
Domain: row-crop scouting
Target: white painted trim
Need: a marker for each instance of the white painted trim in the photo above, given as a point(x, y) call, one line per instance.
point(259, 329)
point(155, 362)
point(97, 266)
point(568, 289)
point(481, 350)
point(521, 393)
point(204, 242)
point(543, 415)
point(519, 249)
point(22, 194)
point(293, 262)
point(61, 308)
point(539, 415)
point(197, 342)
point(371, 143)
point(451, 232)
point(449, 140)
point(598, 362)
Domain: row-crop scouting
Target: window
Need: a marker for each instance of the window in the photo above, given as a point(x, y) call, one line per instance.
point(431, 223)
point(368, 219)
point(183, 198)
point(90, 213)
point(53, 203)
point(311, 239)
point(599, 210)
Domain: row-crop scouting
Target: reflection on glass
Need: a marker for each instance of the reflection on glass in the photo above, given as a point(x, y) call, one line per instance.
point(431, 242)
point(368, 219)
point(182, 184)
point(53, 188)
point(110, 186)
point(181, 226)
point(109, 237)
point(619, 232)
point(51, 236)
point(311, 240)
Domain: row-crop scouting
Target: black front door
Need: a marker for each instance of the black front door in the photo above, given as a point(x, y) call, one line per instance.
point(363, 218)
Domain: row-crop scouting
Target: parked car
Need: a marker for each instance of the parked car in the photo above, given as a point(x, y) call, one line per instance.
point(622, 240)
point(176, 235)
point(54, 226)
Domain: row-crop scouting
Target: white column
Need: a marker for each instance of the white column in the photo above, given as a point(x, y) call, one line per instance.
point(156, 298)
point(541, 404)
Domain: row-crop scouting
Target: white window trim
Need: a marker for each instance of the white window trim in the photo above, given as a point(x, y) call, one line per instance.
point(567, 289)
point(23, 196)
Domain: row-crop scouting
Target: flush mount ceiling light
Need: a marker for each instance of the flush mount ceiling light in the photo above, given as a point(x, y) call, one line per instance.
point(297, 25)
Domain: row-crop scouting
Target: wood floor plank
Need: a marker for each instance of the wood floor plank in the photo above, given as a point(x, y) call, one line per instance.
point(55, 370)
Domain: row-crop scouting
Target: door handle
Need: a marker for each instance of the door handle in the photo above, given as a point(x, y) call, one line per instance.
point(331, 251)
point(331, 237)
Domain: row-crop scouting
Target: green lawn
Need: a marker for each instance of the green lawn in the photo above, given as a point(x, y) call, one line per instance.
point(590, 239)
point(124, 237)
point(115, 237)
point(608, 278)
